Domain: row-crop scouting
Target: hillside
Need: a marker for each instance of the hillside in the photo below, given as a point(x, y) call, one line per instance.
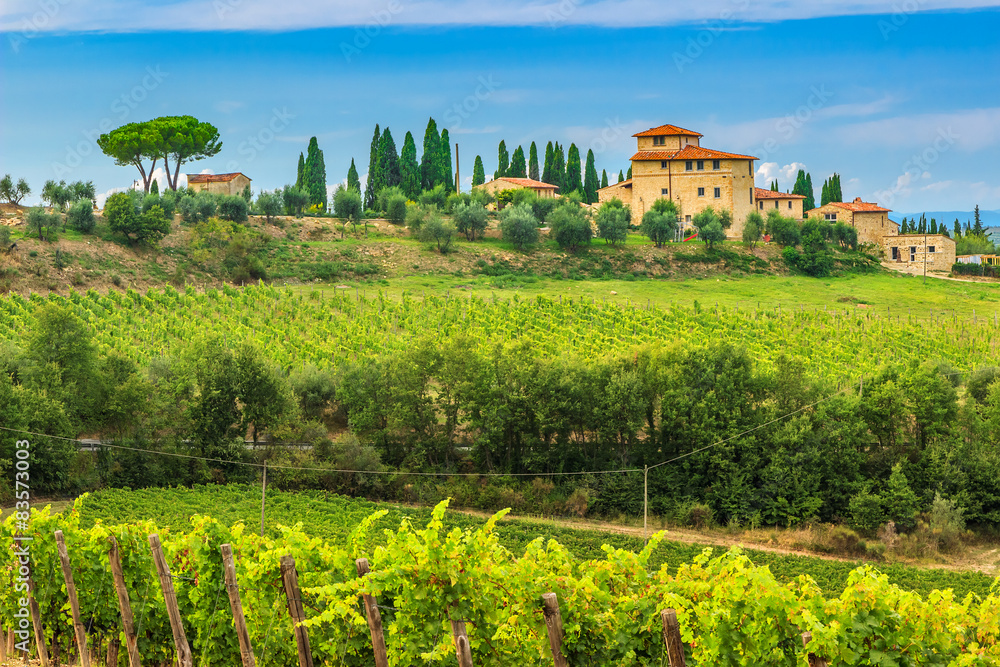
point(309, 250)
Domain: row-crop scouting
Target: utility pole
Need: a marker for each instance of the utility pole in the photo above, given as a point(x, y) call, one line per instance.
point(458, 185)
point(925, 255)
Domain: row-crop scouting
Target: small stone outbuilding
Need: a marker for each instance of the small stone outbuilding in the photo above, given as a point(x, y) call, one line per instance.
point(497, 185)
point(219, 184)
point(787, 204)
point(871, 220)
point(911, 250)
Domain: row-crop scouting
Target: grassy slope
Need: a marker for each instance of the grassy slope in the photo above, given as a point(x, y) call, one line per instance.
point(332, 517)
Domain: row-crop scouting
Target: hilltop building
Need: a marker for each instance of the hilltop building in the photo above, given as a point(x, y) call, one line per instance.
point(871, 220)
point(543, 190)
point(670, 163)
point(218, 184)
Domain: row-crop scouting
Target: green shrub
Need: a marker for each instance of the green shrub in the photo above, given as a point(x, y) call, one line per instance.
point(81, 216)
point(233, 208)
point(519, 226)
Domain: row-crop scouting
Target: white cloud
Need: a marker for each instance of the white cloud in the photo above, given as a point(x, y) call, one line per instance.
point(135, 15)
point(768, 171)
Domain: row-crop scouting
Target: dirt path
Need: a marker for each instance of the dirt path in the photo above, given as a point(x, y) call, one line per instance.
point(978, 559)
point(919, 272)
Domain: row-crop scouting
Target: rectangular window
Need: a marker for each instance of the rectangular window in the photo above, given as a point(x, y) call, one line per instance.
point(913, 253)
point(701, 192)
point(789, 204)
point(701, 165)
point(930, 248)
point(663, 164)
point(775, 204)
point(659, 141)
point(718, 192)
point(663, 192)
point(689, 165)
point(761, 205)
point(830, 216)
point(895, 253)
point(716, 165)
point(687, 218)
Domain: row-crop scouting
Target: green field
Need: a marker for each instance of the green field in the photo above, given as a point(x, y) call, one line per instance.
point(332, 517)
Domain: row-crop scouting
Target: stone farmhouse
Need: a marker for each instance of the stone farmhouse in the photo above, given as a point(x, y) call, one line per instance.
point(543, 190)
point(218, 184)
point(871, 220)
point(670, 163)
point(788, 205)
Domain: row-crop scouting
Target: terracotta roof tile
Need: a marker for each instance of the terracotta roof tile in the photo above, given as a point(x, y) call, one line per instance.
point(528, 183)
point(690, 153)
point(667, 130)
point(214, 178)
point(624, 184)
point(761, 193)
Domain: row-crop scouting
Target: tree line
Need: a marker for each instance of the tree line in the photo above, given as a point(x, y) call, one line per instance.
point(748, 443)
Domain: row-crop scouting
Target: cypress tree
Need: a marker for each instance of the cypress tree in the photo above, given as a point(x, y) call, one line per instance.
point(430, 161)
point(387, 170)
point(478, 173)
point(314, 175)
point(604, 178)
point(774, 186)
point(836, 193)
point(558, 168)
point(922, 225)
point(409, 168)
point(978, 228)
point(574, 177)
point(503, 161)
point(934, 226)
point(518, 168)
point(902, 226)
point(824, 197)
point(621, 176)
point(301, 168)
point(810, 202)
point(629, 175)
point(353, 182)
point(370, 192)
point(533, 162)
point(447, 175)
point(958, 228)
point(547, 171)
point(590, 181)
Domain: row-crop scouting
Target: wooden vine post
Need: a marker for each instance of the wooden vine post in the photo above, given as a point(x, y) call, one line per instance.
point(374, 619)
point(233, 588)
point(124, 605)
point(74, 604)
point(36, 621)
point(672, 636)
point(290, 578)
point(553, 623)
point(461, 639)
point(184, 658)
point(813, 660)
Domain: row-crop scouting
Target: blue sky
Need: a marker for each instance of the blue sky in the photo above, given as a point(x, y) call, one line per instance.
point(902, 100)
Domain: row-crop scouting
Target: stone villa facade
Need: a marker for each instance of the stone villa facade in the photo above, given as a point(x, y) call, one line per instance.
point(218, 184)
point(871, 220)
point(788, 205)
point(670, 163)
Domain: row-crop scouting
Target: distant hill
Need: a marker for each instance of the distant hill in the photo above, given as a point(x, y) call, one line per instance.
point(989, 218)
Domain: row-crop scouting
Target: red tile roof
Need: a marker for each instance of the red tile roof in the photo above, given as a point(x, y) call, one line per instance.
point(528, 183)
point(214, 178)
point(667, 130)
point(859, 206)
point(624, 184)
point(690, 153)
point(761, 193)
